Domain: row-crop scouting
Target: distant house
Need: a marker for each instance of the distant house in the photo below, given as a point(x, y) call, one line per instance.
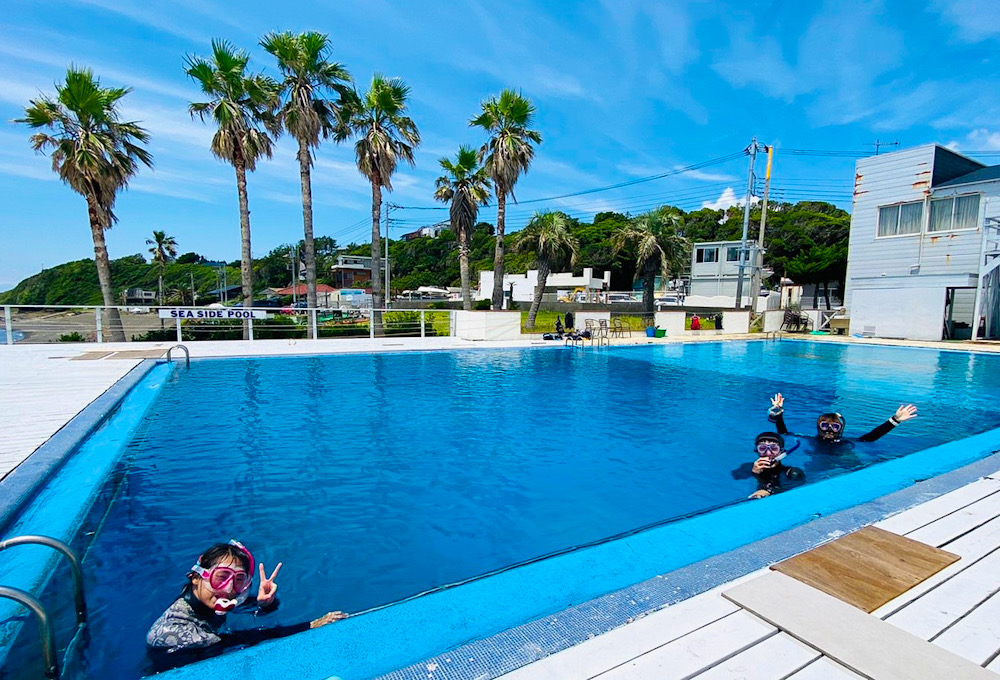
point(352, 270)
point(432, 231)
point(138, 296)
point(586, 287)
point(924, 246)
point(323, 292)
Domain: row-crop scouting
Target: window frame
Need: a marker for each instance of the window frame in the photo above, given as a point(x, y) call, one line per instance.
point(701, 251)
point(954, 202)
point(924, 213)
point(730, 249)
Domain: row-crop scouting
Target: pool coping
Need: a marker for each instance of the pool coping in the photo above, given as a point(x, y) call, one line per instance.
point(517, 647)
point(22, 483)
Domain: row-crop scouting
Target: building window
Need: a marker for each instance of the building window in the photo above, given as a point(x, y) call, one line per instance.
point(961, 212)
point(707, 255)
point(732, 254)
point(899, 220)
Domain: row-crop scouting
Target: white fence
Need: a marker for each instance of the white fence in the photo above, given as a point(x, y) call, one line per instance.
point(29, 324)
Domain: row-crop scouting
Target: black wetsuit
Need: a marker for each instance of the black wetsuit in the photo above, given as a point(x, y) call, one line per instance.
point(189, 631)
point(880, 431)
point(774, 479)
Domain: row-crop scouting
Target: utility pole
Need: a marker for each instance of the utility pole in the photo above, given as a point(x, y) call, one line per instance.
point(386, 297)
point(193, 294)
point(752, 150)
point(758, 271)
point(291, 263)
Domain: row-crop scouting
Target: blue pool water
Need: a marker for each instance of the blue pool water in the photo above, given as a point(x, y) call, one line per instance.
point(376, 477)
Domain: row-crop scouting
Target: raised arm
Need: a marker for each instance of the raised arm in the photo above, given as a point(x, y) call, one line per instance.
point(776, 414)
point(902, 414)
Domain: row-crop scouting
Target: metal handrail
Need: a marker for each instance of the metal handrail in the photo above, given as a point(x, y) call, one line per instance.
point(187, 355)
point(74, 563)
point(44, 627)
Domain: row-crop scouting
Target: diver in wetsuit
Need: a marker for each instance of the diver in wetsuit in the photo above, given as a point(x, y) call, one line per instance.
point(193, 627)
point(830, 426)
point(771, 474)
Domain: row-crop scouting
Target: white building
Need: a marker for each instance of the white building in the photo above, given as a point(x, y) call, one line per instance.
point(715, 270)
point(557, 284)
point(923, 243)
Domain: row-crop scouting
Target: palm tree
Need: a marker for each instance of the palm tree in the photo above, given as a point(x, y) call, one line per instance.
point(547, 237)
point(95, 153)
point(385, 135)
point(306, 113)
point(659, 249)
point(164, 250)
point(242, 106)
point(467, 186)
point(506, 155)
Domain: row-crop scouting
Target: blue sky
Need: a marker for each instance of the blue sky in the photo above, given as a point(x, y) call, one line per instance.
point(624, 90)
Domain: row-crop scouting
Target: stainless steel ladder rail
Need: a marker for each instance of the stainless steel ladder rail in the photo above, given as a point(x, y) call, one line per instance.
point(36, 608)
point(187, 355)
point(44, 627)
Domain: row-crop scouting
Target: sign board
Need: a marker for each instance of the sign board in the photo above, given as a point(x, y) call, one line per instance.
point(227, 313)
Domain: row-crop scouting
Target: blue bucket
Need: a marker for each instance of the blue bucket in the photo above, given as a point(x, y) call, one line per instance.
point(650, 332)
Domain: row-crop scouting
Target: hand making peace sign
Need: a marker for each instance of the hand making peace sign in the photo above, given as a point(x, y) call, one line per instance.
point(268, 588)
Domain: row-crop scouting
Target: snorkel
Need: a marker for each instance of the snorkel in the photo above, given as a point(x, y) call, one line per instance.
point(770, 445)
point(219, 578)
point(830, 427)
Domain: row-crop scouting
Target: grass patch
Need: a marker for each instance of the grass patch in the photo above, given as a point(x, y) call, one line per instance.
point(545, 322)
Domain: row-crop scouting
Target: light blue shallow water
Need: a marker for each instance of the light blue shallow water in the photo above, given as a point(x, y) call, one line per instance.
point(374, 477)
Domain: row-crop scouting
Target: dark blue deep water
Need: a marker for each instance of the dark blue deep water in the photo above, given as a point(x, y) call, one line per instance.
point(375, 477)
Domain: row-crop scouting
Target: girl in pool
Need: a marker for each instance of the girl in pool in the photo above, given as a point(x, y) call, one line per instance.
point(193, 627)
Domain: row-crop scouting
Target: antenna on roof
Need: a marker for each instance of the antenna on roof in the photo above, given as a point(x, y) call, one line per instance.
point(878, 143)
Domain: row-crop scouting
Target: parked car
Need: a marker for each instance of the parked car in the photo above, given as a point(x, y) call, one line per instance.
point(669, 301)
point(621, 297)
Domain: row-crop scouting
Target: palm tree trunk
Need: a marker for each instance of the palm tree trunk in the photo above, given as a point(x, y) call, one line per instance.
point(543, 275)
point(117, 333)
point(307, 223)
point(463, 265)
point(376, 257)
point(246, 258)
point(161, 284)
point(499, 254)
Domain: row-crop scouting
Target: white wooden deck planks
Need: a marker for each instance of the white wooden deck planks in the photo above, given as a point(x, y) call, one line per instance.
point(957, 608)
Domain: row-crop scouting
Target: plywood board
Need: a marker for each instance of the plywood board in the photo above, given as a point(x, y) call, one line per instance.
point(863, 643)
point(138, 354)
point(867, 568)
point(90, 356)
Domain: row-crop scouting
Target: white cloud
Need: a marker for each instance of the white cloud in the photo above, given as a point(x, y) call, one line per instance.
point(41, 171)
point(983, 140)
point(727, 199)
point(148, 15)
point(976, 20)
point(705, 176)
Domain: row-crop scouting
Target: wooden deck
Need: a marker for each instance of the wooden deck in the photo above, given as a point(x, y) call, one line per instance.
point(710, 638)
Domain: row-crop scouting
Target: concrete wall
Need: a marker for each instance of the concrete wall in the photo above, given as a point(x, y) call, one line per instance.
point(487, 325)
point(773, 320)
point(915, 314)
point(671, 322)
point(736, 322)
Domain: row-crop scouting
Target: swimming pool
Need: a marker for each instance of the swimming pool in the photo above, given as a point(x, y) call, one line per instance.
point(376, 477)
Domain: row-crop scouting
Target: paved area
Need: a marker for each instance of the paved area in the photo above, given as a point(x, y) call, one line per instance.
point(710, 637)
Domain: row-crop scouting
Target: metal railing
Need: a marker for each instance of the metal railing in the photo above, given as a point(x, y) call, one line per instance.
point(44, 622)
point(30, 324)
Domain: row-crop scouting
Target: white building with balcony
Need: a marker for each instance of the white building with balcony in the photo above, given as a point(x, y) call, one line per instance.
point(557, 283)
point(923, 253)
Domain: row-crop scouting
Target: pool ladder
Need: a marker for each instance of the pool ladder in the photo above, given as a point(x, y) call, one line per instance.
point(35, 607)
point(187, 355)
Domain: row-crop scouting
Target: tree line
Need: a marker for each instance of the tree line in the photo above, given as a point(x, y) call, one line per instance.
point(96, 153)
